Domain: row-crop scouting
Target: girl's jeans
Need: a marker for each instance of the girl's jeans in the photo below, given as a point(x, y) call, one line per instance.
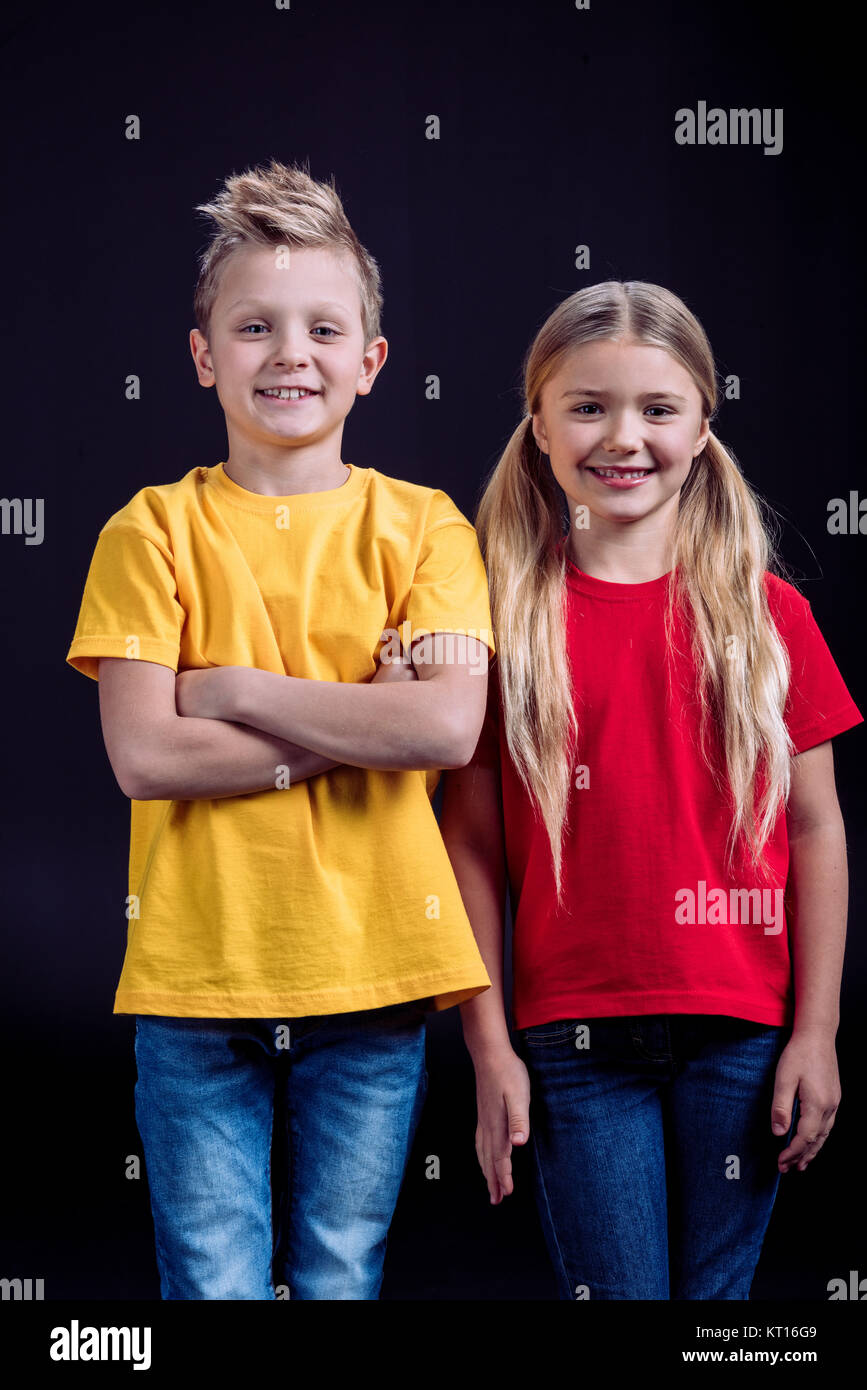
point(205, 1099)
point(655, 1164)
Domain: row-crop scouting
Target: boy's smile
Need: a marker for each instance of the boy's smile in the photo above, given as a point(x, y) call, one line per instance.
point(289, 394)
point(288, 358)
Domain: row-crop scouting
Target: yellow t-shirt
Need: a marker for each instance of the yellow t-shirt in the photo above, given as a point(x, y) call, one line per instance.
point(335, 893)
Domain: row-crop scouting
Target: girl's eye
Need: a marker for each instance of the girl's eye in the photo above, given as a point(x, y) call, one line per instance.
point(252, 325)
point(591, 405)
point(323, 327)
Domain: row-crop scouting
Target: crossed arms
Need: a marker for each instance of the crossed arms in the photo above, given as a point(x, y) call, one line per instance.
point(226, 731)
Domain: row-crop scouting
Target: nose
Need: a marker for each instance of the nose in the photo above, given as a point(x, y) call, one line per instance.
point(623, 435)
point(291, 348)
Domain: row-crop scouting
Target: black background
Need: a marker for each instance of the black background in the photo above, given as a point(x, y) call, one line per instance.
point(557, 130)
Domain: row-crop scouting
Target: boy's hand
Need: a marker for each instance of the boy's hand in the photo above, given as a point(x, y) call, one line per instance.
point(207, 694)
point(389, 671)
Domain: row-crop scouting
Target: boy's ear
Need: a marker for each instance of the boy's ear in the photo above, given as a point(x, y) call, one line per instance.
point(374, 356)
point(202, 358)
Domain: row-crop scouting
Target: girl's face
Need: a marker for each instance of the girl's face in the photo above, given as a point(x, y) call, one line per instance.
point(621, 423)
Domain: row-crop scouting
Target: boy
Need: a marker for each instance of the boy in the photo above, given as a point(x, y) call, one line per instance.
point(292, 908)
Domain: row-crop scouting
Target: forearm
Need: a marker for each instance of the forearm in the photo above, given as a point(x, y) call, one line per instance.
point(817, 901)
point(388, 727)
point(482, 887)
point(197, 759)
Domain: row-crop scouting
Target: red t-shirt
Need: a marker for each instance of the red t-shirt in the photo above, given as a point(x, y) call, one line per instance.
point(652, 921)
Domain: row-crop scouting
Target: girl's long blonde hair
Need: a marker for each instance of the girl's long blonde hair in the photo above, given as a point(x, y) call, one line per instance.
point(721, 550)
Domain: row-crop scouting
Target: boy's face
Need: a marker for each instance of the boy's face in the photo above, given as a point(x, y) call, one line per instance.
point(287, 318)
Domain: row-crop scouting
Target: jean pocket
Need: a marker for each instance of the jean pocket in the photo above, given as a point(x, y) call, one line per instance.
point(548, 1034)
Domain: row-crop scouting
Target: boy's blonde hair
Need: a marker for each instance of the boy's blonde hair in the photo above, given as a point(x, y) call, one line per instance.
point(722, 548)
point(281, 204)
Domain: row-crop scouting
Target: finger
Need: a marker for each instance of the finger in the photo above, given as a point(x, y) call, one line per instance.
point(499, 1185)
point(791, 1157)
point(782, 1105)
point(810, 1153)
point(503, 1170)
point(518, 1122)
point(490, 1178)
point(812, 1127)
point(484, 1154)
point(814, 1145)
point(802, 1154)
point(804, 1134)
point(497, 1162)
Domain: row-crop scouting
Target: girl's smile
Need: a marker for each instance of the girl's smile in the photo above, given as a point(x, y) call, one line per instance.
point(619, 477)
point(621, 423)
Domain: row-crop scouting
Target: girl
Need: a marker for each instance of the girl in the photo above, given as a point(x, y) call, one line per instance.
point(655, 778)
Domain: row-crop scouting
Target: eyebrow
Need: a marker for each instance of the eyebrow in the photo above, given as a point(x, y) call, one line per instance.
point(645, 396)
point(261, 304)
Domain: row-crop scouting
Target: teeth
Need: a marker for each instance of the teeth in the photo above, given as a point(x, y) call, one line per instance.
point(618, 473)
point(287, 393)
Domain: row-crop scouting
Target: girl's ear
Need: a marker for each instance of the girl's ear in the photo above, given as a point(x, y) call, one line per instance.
point(539, 433)
point(703, 437)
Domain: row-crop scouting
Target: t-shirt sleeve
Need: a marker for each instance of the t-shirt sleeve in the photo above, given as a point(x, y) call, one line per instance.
point(819, 705)
point(450, 588)
point(130, 606)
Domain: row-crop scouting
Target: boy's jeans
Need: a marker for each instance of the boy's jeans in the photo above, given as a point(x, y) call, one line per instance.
point(355, 1084)
point(653, 1152)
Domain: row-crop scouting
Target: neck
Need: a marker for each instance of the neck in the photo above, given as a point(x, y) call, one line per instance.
point(621, 553)
point(287, 481)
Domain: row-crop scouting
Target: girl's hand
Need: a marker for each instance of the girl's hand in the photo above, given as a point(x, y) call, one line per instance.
point(503, 1103)
point(207, 694)
point(808, 1069)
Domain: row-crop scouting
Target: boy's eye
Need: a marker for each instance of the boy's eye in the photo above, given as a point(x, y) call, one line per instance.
point(320, 328)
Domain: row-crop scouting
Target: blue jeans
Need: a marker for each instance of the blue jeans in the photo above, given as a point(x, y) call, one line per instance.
point(654, 1163)
point(352, 1088)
